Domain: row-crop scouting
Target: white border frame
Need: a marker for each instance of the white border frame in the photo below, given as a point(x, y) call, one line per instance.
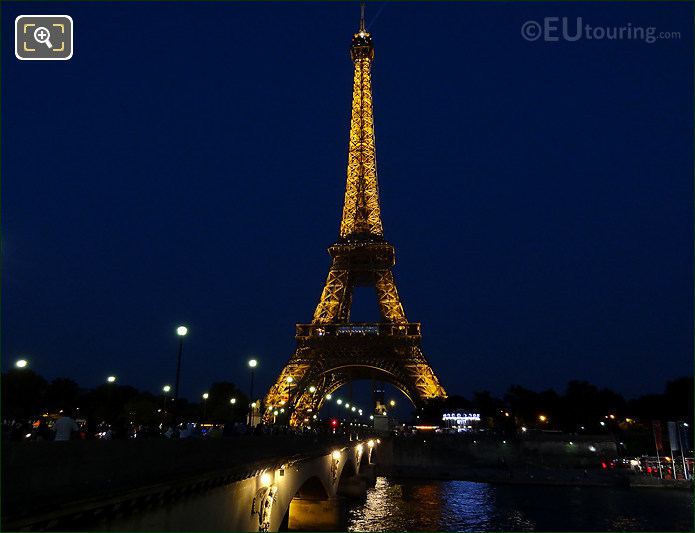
point(72, 39)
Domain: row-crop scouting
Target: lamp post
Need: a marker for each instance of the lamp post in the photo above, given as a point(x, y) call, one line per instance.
point(253, 363)
point(328, 403)
point(110, 380)
point(166, 389)
point(181, 331)
point(21, 363)
point(205, 404)
point(289, 380)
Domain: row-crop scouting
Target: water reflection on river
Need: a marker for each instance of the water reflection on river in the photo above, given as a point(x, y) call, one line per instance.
point(398, 505)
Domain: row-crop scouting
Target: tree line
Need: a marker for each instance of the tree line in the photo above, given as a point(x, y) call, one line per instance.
point(581, 406)
point(28, 395)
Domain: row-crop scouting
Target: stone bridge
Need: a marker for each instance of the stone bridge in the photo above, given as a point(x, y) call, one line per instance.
point(244, 484)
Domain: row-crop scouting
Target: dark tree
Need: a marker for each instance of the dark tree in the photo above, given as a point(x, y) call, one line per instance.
point(219, 403)
point(23, 394)
point(62, 393)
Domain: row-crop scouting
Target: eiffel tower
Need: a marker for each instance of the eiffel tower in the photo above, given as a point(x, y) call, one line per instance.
point(332, 350)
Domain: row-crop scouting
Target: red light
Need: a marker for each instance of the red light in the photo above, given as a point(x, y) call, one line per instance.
point(604, 466)
point(649, 470)
point(334, 422)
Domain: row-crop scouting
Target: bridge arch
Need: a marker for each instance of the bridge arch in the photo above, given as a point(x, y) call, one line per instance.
point(308, 495)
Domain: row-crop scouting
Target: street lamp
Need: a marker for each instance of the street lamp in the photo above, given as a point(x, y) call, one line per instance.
point(166, 389)
point(181, 331)
point(312, 389)
point(109, 395)
point(392, 403)
point(289, 380)
point(21, 363)
point(232, 401)
point(253, 363)
point(205, 403)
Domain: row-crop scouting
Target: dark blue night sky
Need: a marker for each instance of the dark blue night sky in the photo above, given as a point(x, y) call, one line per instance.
point(187, 165)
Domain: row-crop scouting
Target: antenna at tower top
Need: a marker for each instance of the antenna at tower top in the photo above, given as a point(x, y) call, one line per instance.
point(362, 16)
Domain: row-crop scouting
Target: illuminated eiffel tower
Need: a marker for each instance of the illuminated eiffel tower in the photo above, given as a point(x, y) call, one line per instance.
point(332, 350)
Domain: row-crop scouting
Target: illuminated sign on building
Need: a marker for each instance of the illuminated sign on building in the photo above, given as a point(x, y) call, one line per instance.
point(461, 421)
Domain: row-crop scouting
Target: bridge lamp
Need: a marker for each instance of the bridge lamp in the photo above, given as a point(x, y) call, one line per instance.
point(360, 412)
point(542, 418)
point(282, 410)
point(205, 396)
point(347, 405)
point(111, 379)
point(265, 479)
point(371, 417)
point(253, 363)
point(275, 413)
point(312, 389)
point(166, 389)
point(339, 401)
point(352, 408)
point(328, 396)
point(232, 401)
point(21, 363)
point(253, 405)
point(314, 417)
point(370, 444)
point(392, 403)
point(336, 455)
point(289, 379)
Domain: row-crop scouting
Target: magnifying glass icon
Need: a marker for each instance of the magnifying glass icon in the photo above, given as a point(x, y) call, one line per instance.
point(42, 35)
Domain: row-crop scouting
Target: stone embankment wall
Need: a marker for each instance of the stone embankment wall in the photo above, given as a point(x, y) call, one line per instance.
point(553, 458)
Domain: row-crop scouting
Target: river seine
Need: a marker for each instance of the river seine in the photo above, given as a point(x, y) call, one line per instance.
point(414, 505)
